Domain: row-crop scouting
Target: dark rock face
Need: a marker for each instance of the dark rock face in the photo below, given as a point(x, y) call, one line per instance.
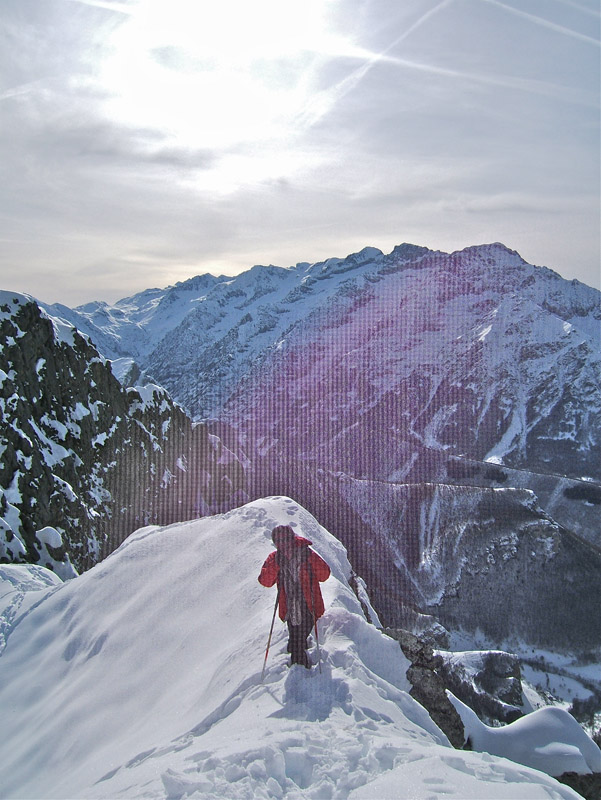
point(428, 685)
point(84, 461)
point(589, 786)
point(53, 400)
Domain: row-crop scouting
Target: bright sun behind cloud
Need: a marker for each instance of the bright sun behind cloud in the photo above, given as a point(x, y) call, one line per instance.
point(233, 78)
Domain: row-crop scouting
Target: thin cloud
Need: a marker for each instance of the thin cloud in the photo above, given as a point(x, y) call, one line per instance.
point(545, 23)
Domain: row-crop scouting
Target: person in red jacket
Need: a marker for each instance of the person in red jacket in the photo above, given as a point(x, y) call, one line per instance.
point(298, 570)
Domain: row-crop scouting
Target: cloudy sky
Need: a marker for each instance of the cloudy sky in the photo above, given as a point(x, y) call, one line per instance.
point(146, 141)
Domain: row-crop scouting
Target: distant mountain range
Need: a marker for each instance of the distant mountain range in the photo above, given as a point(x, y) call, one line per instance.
point(439, 413)
point(489, 356)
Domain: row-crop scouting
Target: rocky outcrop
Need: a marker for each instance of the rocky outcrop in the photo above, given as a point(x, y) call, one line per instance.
point(428, 687)
point(84, 462)
point(488, 681)
point(589, 786)
point(53, 406)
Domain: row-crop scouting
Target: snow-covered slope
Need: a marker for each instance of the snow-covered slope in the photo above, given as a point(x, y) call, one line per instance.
point(552, 740)
point(134, 326)
point(141, 678)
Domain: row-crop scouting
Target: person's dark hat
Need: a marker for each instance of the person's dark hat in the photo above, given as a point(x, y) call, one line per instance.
point(281, 534)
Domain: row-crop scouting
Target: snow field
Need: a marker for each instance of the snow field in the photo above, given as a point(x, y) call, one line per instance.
point(20, 587)
point(141, 679)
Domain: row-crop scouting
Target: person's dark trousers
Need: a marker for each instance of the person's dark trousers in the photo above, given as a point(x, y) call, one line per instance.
point(297, 641)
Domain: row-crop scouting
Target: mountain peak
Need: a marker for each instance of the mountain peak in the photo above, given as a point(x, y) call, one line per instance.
point(12, 300)
point(408, 252)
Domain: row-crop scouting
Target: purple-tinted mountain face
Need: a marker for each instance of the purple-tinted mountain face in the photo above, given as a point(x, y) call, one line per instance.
point(435, 412)
point(475, 355)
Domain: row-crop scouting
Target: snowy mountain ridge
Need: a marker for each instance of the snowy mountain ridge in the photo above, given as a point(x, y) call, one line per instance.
point(153, 662)
point(135, 325)
point(200, 337)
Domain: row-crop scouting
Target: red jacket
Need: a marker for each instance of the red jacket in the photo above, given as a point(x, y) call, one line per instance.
point(312, 572)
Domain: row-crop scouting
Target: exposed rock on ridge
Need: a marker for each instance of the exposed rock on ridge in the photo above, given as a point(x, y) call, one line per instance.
point(84, 461)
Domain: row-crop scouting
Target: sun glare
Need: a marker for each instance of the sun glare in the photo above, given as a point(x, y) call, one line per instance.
point(220, 76)
point(233, 32)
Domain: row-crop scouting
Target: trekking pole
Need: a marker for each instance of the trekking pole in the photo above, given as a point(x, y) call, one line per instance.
point(317, 642)
point(275, 608)
point(313, 582)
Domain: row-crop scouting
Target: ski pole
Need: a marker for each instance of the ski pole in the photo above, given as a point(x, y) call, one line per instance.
point(275, 608)
point(313, 582)
point(317, 642)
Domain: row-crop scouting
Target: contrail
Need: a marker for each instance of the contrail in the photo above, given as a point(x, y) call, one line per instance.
point(545, 23)
point(324, 102)
point(120, 8)
point(19, 91)
point(418, 23)
point(578, 97)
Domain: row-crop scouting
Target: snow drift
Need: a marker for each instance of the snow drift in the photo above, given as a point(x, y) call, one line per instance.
point(141, 678)
point(547, 739)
